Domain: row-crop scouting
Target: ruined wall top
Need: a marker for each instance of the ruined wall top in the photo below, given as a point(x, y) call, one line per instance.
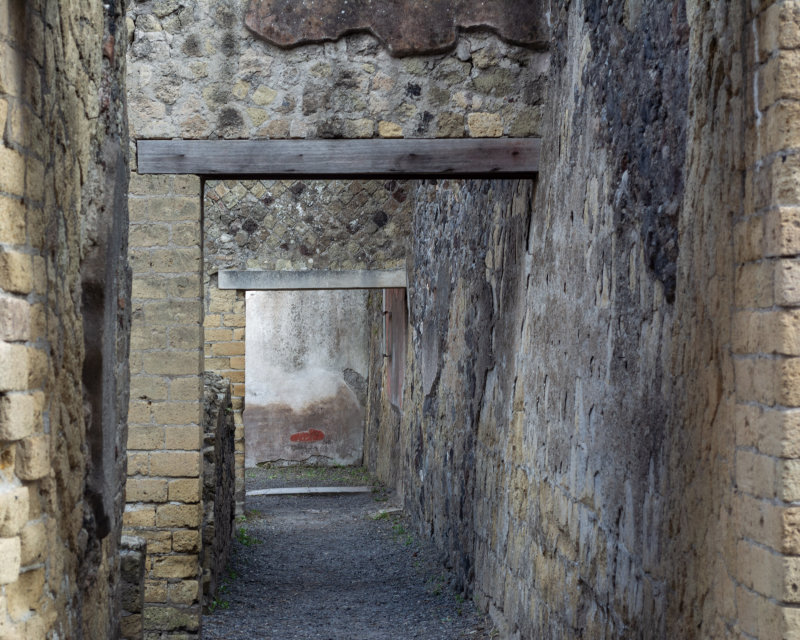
point(406, 27)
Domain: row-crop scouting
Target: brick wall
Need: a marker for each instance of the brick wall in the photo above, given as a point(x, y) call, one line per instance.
point(164, 501)
point(766, 334)
point(63, 222)
point(224, 353)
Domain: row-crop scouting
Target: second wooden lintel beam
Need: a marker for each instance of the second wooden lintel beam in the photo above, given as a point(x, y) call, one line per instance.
point(255, 280)
point(470, 157)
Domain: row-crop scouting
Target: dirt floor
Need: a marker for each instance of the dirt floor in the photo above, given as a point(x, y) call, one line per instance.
point(334, 567)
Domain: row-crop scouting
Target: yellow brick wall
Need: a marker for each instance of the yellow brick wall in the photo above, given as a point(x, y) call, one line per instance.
point(224, 353)
point(54, 59)
point(766, 336)
point(164, 492)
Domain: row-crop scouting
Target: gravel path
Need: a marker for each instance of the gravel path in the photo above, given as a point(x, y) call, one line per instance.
point(331, 568)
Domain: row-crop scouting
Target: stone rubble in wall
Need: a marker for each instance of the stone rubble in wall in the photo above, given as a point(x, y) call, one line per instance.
point(306, 224)
point(195, 71)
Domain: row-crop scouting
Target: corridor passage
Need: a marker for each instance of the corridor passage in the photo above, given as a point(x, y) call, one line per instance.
point(333, 567)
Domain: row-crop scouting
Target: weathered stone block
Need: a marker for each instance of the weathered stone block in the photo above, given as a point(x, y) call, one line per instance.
point(178, 515)
point(165, 619)
point(139, 516)
point(174, 413)
point(228, 348)
point(12, 220)
point(175, 464)
point(186, 541)
point(485, 125)
point(755, 285)
point(138, 463)
point(782, 231)
point(183, 592)
point(33, 542)
point(145, 438)
point(216, 364)
point(24, 595)
point(15, 369)
point(150, 185)
point(185, 490)
point(149, 235)
point(780, 130)
point(788, 379)
point(775, 432)
point(768, 572)
point(12, 178)
point(131, 626)
point(188, 438)
point(169, 209)
point(233, 320)
point(789, 480)
point(185, 389)
point(14, 511)
point(170, 312)
point(154, 590)
point(778, 79)
point(157, 541)
point(33, 457)
point(389, 130)
point(787, 283)
point(779, 28)
point(175, 363)
point(10, 551)
point(20, 415)
point(149, 387)
point(176, 566)
point(15, 319)
point(16, 271)
point(139, 412)
point(146, 490)
point(218, 335)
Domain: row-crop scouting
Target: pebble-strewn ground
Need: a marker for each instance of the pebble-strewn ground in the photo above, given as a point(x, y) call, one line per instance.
point(326, 567)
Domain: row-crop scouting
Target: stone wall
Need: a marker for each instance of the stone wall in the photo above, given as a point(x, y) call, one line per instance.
point(600, 431)
point(63, 342)
point(196, 72)
point(296, 225)
point(133, 558)
point(764, 332)
point(218, 481)
point(306, 224)
point(163, 491)
point(599, 420)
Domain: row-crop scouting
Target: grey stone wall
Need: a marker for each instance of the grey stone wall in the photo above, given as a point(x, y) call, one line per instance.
point(218, 481)
point(306, 224)
point(568, 430)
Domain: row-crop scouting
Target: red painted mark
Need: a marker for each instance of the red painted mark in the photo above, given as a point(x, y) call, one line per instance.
point(312, 435)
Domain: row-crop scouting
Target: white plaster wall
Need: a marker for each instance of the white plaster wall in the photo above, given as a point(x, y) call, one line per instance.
point(305, 376)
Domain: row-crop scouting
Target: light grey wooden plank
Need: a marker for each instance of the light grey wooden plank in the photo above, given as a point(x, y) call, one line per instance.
point(318, 279)
point(290, 491)
point(332, 158)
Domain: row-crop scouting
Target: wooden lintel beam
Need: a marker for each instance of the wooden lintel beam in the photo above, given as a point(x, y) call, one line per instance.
point(406, 158)
point(253, 280)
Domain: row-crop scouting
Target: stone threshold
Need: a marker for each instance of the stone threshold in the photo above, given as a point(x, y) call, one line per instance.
point(289, 491)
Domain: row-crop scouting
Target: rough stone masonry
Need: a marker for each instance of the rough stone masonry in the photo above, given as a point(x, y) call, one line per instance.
point(599, 424)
